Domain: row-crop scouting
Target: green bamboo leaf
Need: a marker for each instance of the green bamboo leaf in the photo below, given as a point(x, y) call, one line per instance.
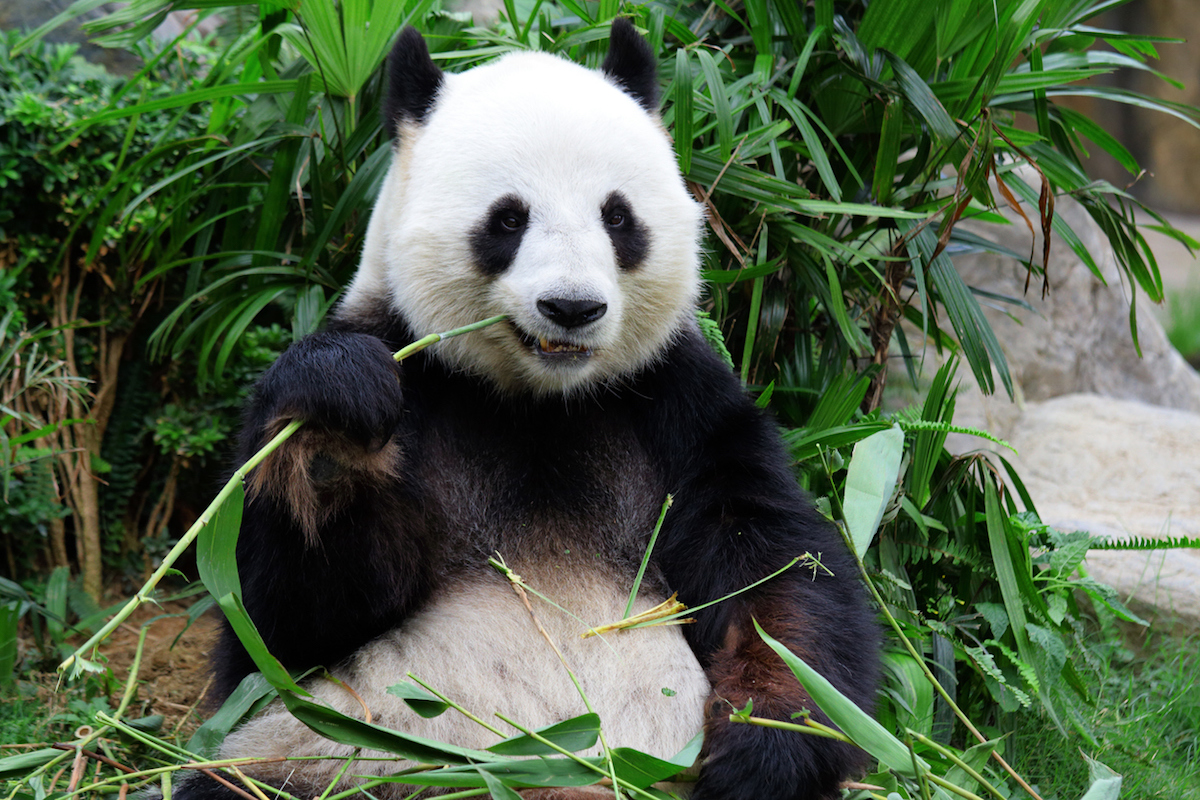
point(238, 324)
point(682, 95)
point(358, 195)
point(73, 11)
point(720, 103)
point(495, 787)
point(975, 334)
point(1006, 570)
point(854, 722)
point(1105, 784)
point(22, 763)
point(1081, 124)
point(1188, 114)
point(252, 640)
point(922, 98)
point(816, 150)
point(642, 770)
point(928, 445)
point(419, 700)
point(575, 734)
point(889, 150)
point(347, 730)
point(870, 481)
point(216, 560)
point(839, 400)
point(914, 691)
point(760, 26)
point(851, 333)
point(525, 772)
point(195, 97)
point(251, 694)
point(198, 165)
point(749, 184)
point(897, 25)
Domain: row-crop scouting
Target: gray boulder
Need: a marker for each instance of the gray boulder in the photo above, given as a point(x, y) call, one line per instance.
point(1107, 441)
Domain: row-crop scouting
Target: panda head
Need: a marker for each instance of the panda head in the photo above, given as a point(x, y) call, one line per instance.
point(539, 189)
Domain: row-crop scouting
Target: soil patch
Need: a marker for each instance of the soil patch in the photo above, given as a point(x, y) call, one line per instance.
point(173, 675)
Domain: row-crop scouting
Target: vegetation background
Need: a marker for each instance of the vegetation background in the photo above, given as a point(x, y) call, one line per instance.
point(165, 234)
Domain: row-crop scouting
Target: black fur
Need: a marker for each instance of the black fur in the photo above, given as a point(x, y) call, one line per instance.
point(496, 239)
point(631, 63)
point(413, 82)
point(629, 236)
point(738, 515)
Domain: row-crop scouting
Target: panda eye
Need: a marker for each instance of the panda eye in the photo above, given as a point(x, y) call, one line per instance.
point(614, 219)
point(508, 219)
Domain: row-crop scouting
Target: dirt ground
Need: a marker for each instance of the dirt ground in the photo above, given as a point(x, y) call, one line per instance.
point(173, 675)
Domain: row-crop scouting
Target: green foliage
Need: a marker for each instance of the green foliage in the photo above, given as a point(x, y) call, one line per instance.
point(1146, 721)
point(55, 176)
point(1183, 326)
point(836, 145)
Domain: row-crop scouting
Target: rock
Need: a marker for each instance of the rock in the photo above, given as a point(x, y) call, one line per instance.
point(1119, 469)
point(1108, 442)
point(1079, 340)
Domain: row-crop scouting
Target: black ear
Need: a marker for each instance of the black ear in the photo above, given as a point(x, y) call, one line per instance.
point(631, 63)
point(413, 81)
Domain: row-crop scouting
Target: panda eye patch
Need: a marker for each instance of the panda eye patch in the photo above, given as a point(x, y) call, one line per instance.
point(496, 238)
point(630, 239)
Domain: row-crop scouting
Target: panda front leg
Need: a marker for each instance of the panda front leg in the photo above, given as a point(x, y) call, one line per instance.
point(328, 555)
point(347, 389)
point(743, 760)
point(739, 518)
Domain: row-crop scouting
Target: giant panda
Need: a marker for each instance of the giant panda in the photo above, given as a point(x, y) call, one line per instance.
point(535, 188)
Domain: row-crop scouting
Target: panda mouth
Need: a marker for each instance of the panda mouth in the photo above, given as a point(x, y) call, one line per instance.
point(548, 348)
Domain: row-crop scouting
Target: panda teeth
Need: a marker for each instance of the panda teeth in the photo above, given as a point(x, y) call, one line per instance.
point(547, 346)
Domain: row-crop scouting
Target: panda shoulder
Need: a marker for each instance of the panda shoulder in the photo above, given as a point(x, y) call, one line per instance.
point(692, 379)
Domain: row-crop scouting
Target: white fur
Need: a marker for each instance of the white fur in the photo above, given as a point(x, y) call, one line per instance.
point(478, 645)
point(562, 138)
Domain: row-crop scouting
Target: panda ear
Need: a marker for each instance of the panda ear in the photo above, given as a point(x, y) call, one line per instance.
point(631, 64)
point(413, 81)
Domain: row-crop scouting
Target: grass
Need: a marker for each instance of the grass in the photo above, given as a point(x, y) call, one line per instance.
point(22, 717)
point(1146, 720)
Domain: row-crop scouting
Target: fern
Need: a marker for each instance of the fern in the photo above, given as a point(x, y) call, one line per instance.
point(712, 334)
point(1143, 543)
point(909, 421)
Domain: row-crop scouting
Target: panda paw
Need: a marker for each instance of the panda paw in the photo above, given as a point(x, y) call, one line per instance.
point(747, 762)
point(346, 384)
point(347, 389)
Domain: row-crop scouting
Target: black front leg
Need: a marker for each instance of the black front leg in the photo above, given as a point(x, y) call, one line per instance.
point(331, 552)
point(739, 516)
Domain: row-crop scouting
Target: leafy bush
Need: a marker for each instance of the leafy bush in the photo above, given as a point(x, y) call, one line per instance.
point(837, 145)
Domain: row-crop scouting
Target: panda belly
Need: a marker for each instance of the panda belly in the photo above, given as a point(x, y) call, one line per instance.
point(477, 643)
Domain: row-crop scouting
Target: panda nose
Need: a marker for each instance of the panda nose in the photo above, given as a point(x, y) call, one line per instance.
point(571, 313)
